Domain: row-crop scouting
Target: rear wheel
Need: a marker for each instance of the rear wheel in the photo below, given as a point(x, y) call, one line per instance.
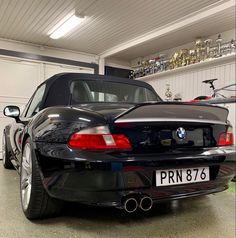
point(5, 154)
point(35, 201)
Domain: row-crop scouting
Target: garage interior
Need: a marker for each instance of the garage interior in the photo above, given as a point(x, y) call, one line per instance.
point(123, 39)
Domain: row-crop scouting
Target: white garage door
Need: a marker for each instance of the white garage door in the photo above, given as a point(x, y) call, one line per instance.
point(19, 80)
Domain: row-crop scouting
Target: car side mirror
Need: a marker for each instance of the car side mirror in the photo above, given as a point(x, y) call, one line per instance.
point(12, 111)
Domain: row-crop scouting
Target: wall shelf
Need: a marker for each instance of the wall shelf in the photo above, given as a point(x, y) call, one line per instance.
point(215, 61)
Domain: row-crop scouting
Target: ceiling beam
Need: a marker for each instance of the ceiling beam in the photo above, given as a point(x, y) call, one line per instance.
point(171, 27)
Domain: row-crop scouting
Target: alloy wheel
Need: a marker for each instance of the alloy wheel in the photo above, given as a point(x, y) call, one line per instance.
point(26, 176)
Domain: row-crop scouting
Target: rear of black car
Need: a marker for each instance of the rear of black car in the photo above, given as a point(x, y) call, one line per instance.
point(149, 153)
point(191, 147)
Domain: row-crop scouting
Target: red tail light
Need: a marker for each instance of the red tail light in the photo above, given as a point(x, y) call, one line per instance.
point(98, 138)
point(226, 138)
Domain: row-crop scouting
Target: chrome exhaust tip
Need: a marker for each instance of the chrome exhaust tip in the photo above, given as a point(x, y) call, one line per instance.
point(146, 203)
point(130, 205)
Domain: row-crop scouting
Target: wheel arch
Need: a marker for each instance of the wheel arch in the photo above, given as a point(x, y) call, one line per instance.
point(26, 136)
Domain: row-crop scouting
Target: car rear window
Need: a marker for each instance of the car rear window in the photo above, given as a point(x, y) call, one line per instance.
point(105, 91)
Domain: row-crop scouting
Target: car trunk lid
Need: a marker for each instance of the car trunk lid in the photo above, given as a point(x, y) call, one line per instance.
point(160, 127)
point(174, 112)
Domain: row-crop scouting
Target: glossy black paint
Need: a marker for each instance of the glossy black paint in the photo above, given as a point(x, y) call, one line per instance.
point(103, 178)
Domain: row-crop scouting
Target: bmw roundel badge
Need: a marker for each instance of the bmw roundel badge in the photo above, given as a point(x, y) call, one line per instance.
point(181, 133)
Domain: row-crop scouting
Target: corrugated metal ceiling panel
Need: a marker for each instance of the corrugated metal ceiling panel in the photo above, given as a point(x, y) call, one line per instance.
point(108, 23)
point(213, 25)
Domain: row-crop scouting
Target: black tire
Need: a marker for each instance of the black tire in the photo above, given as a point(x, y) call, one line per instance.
point(40, 204)
point(6, 160)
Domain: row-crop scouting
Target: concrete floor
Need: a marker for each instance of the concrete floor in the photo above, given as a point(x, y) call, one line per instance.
point(208, 216)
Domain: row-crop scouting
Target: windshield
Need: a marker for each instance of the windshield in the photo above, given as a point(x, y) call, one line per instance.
point(84, 91)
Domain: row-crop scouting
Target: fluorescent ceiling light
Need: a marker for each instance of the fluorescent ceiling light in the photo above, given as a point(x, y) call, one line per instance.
point(67, 26)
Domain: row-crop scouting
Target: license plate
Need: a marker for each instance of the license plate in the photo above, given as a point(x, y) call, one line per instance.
point(182, 176)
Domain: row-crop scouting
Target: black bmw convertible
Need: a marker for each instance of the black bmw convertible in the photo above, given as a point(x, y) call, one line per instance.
point(108, 141)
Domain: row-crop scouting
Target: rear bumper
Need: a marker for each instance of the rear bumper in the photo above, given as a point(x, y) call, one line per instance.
point(103, 179)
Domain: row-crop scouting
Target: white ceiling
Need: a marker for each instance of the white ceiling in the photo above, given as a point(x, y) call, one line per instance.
point(108, 23)
point(213, 25)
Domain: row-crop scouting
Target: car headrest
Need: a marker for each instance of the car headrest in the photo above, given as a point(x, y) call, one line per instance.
point(81, 92)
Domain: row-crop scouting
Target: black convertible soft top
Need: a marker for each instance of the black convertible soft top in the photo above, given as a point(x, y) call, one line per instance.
point(57, 87)
point(67, 77)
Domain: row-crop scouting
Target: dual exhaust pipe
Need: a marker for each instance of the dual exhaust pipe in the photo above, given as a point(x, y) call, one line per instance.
point(131, 204)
